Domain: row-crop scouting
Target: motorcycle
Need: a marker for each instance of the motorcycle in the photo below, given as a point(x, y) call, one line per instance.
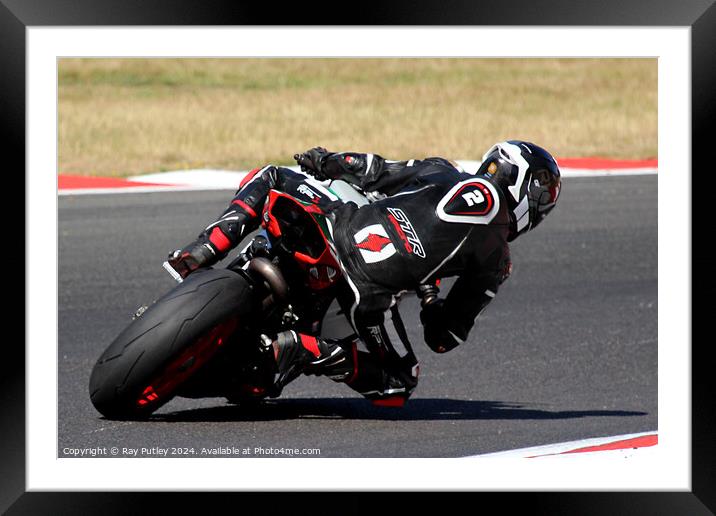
point(202, 338)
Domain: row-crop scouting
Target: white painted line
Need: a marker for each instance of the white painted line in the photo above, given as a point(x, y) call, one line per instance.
point(213, 179)
point(584, 172)
point(231, 178)
point(197, 178)
point(559, 449)
point(605, 455)
point(137, 189)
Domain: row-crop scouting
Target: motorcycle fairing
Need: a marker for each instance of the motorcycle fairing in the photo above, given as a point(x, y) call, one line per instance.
point(301, 228)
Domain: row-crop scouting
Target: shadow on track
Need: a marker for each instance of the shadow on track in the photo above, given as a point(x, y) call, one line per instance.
point(420, 409)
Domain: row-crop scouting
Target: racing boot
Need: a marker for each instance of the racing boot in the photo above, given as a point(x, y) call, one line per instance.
point(297, 353)
point(383, 385)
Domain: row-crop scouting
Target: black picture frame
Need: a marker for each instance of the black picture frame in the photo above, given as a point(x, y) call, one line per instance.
point(700, 15)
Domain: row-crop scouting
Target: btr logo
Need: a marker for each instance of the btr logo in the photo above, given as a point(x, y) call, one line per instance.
point(406, 232)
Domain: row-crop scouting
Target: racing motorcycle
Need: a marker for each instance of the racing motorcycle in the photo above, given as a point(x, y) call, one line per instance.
point(202, 338)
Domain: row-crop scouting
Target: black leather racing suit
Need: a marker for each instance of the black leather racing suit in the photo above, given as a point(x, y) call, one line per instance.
point(428, 220)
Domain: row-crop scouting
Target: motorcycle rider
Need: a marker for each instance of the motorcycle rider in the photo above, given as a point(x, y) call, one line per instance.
point(428, 220)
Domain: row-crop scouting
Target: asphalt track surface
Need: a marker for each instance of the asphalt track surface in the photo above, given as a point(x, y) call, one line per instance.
point(566, 351)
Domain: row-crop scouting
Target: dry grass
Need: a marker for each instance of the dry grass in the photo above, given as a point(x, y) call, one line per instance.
point(129, 116)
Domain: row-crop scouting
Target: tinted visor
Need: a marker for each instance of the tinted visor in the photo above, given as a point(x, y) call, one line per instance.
point(550, 184)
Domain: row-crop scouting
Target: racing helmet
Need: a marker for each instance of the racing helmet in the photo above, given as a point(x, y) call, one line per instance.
point(529, 178)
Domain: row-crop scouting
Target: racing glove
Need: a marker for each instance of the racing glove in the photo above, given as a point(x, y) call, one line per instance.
point(312, 161)
point(192, 257)
point(351, 167)
point(435, 325)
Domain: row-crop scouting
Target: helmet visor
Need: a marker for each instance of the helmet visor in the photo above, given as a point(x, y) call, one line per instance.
point(550, 185)
point(543, 193)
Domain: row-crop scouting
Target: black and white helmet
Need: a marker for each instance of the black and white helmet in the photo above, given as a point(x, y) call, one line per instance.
point(529, 178)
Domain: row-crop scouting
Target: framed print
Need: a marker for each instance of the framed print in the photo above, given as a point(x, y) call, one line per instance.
point(588, 384)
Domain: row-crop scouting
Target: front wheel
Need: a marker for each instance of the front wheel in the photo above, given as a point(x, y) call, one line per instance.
point(147, 363)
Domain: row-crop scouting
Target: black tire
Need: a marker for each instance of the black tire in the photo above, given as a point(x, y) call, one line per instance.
point(169, 330)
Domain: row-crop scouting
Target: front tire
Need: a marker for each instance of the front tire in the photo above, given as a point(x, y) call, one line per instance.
point(145, 365)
